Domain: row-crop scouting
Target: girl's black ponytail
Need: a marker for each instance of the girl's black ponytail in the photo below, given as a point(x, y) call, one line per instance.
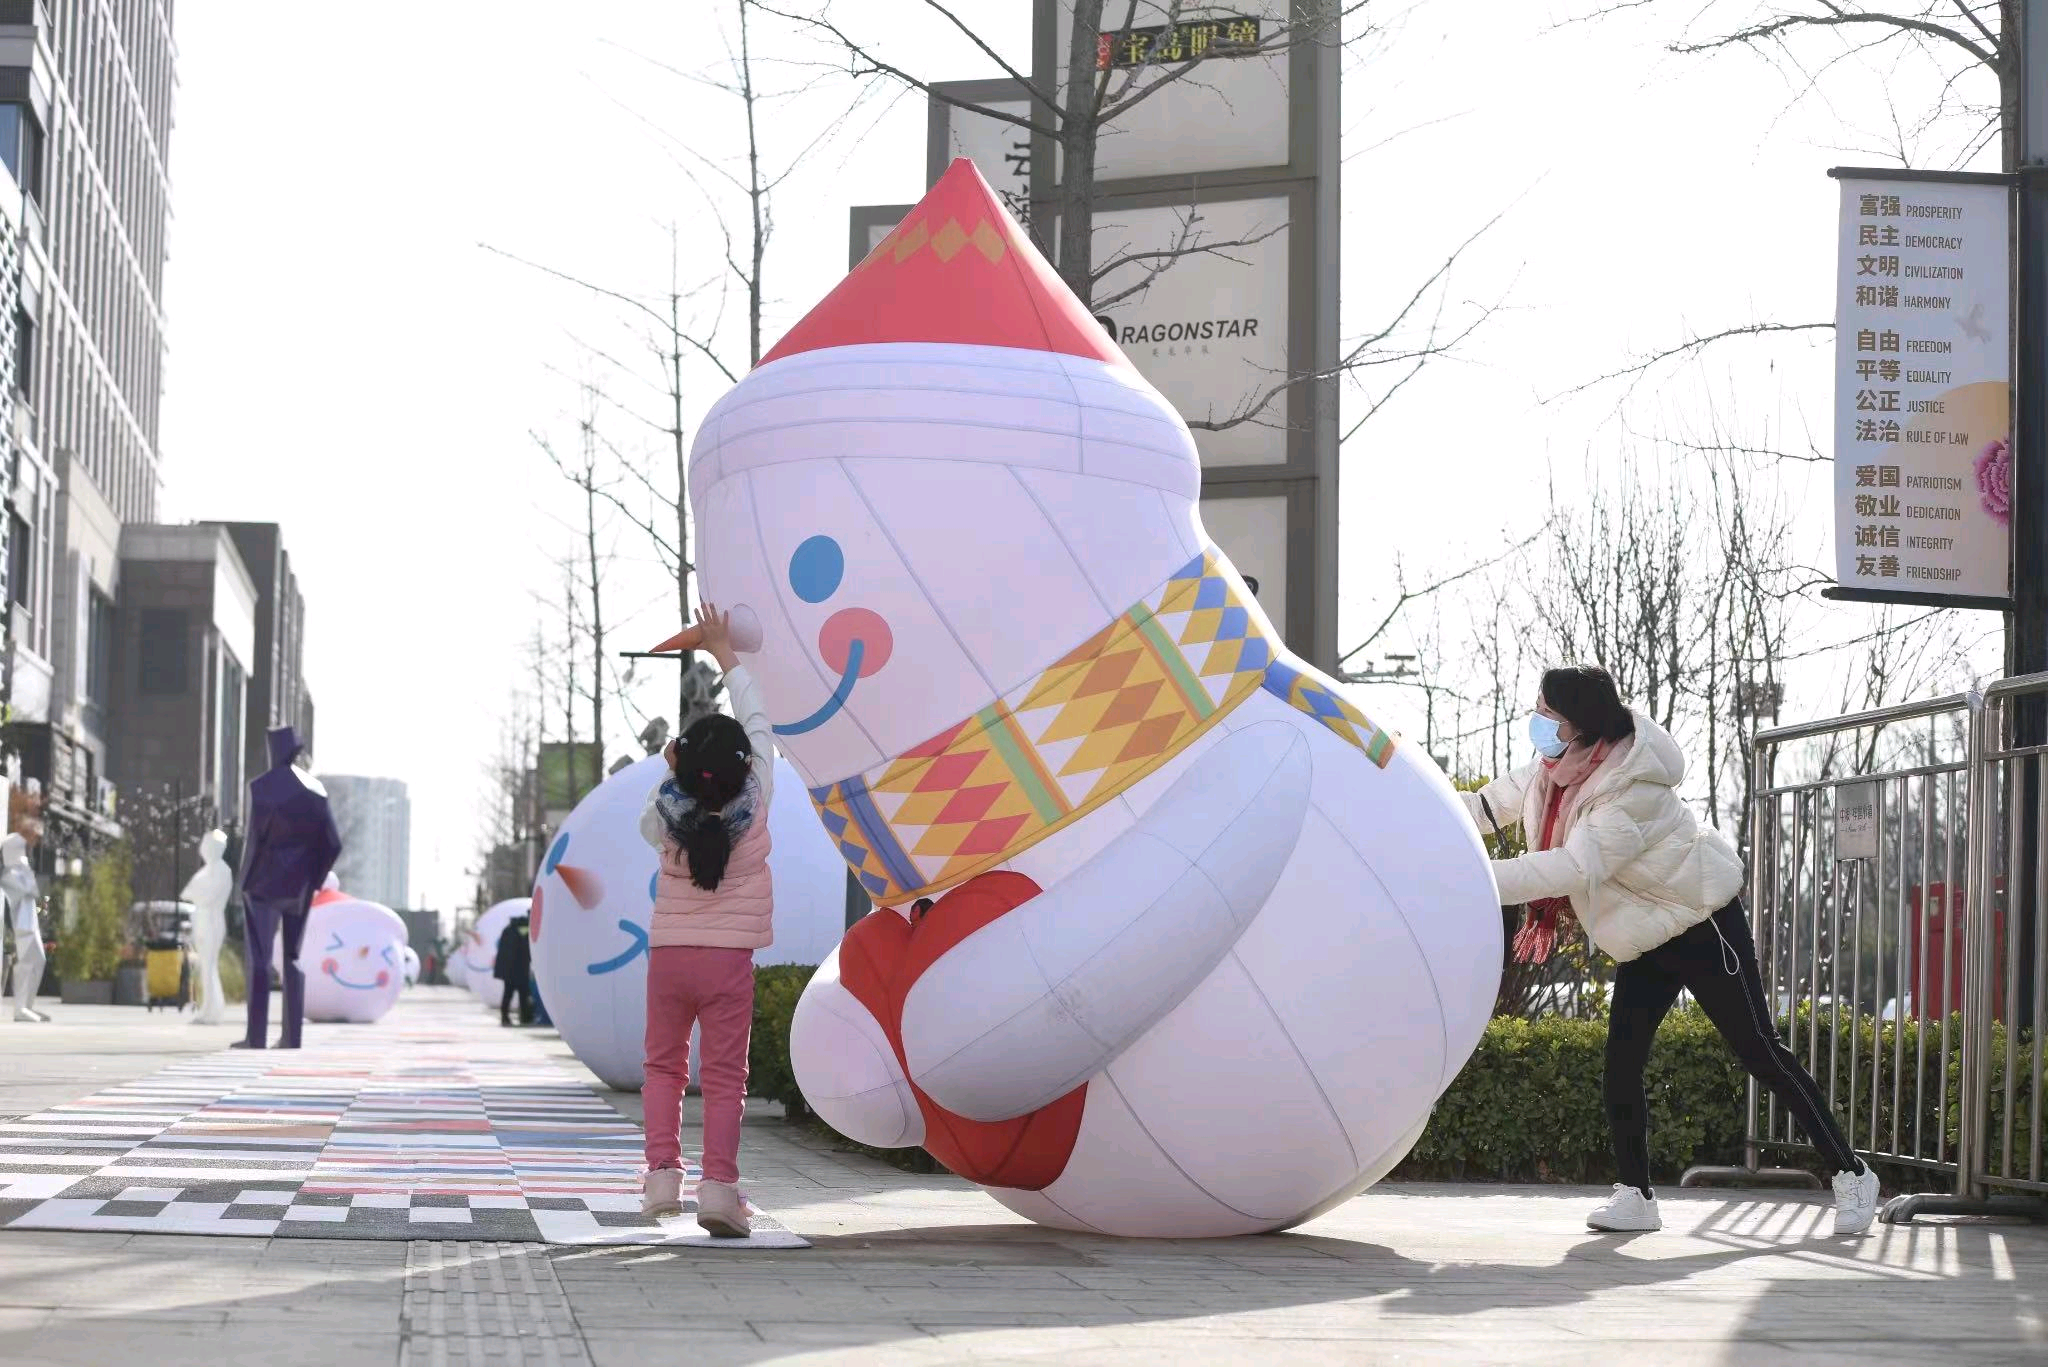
point(713, 761)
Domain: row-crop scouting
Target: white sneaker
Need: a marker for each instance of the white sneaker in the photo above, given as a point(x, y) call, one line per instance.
point(722, 1211)
point(24, 1014)
point(662, 1193)
point(1630, 1212)
point(1855, 1200)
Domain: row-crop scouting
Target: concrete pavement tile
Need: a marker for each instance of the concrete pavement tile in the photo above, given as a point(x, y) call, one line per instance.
point(610, 1349)
point(817, 1334)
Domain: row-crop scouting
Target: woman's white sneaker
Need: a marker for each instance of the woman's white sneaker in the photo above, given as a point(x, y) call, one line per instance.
point(1855, 1200)
point(1630, 1212)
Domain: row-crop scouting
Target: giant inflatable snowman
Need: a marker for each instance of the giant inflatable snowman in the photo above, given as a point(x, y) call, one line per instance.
point(353, 958)
point(1171, 939)
point(595, 894)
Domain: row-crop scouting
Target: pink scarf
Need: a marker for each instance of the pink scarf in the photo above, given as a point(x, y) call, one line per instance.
point(1559, 785)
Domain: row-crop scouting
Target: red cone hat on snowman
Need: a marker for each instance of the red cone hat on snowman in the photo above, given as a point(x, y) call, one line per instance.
point(957, 269)
point(955, 328)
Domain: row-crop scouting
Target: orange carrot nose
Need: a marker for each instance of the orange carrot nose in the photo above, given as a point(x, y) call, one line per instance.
point(689, 638)
point(583, 884)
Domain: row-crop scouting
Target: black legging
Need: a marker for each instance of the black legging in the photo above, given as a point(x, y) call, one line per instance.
point(1716, 962)
point(515, 989)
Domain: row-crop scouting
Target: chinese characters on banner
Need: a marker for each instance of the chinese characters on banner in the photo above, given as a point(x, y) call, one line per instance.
point(999, 149)
point(1923, 387)
point(1164, 44)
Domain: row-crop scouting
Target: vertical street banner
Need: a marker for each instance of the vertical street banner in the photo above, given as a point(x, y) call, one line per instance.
point(1923, 389)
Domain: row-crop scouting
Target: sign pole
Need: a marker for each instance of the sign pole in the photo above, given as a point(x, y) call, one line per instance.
point(2027, 636)
point(2027, 627)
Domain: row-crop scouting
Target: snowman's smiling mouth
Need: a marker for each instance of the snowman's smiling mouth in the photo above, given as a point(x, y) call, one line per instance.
point(847, 678)
point(856, 640)
point(630, 953)
point(382, 978)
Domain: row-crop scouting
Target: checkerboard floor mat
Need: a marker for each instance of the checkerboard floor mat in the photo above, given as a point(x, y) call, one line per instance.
point(401, 1135)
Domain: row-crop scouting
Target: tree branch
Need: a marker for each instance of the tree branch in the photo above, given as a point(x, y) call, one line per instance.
point(876, 66)
point(1415, 595)
point(1837, 16)
point(1687, 348)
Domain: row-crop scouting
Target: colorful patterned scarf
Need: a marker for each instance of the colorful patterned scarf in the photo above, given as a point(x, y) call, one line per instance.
point(1098, 720)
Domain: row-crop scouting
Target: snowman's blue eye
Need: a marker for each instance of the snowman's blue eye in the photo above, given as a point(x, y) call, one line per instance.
point(335, 943)
point(556, 851)
point(816, 569)
point(388, 956)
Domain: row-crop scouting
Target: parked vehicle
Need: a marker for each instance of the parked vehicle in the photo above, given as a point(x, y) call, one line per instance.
point(166, 933)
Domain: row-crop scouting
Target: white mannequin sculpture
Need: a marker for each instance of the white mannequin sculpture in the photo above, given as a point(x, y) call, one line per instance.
point(208, 892)
point(18, 886)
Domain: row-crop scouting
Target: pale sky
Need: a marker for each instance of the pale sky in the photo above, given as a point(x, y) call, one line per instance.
point(347, 360)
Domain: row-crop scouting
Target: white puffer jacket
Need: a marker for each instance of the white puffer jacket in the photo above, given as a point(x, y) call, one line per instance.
point(1638, 867)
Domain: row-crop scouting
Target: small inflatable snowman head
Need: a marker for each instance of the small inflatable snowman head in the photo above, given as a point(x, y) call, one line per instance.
point(944, 478)
point(352, 957)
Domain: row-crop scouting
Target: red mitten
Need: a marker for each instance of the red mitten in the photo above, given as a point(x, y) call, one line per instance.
point(879, 960)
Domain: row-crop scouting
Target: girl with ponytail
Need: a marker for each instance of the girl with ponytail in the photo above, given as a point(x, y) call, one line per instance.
point(713, 907)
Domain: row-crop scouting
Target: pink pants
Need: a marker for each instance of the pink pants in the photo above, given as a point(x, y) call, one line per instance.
point(714, 988)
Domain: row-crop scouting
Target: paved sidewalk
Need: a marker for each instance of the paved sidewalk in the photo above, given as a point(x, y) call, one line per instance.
point(911, 1269)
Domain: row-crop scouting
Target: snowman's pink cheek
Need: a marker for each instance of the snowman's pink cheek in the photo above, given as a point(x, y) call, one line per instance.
point(843, 628)
point(328, 966)
point(383, 979)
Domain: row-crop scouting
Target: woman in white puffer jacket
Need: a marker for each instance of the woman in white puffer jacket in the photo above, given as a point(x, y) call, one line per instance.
point(1611, 844)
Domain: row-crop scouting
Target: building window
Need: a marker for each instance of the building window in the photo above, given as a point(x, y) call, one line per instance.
point(21, 148)
point(99, 650)
point(165, 649)
point(20, 558)
point(24, 354)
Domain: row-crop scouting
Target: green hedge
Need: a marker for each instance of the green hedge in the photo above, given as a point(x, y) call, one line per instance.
point(89, 939)
point(776, 988)
point(1527, 1107)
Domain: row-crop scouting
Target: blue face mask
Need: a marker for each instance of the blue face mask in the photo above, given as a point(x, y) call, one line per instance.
point(1543, 735)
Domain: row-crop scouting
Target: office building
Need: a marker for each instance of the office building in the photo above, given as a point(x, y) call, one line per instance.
point(277, 684)
point(85, 120)
point(374, 816)
point(186, 634)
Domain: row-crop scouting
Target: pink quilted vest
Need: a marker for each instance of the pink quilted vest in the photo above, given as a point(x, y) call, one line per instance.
point(739, 915)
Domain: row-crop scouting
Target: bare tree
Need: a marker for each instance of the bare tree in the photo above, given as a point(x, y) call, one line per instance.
point(585, 572)
point(509, 836)
point(683, 327)
point(664, 517)
point(1619, 588)
point(1964, 44)
point(1095, 91)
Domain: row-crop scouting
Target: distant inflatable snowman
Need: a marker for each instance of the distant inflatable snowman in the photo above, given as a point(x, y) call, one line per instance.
point(595, 893)
point(353, 956)
point(479, 950)
point(411, 960)
point(1173, 939)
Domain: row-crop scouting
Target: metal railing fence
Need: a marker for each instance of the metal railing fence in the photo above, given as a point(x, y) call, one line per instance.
point(1896, 889)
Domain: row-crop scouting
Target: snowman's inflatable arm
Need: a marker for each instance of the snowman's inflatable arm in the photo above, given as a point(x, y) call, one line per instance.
point(1036, 1002)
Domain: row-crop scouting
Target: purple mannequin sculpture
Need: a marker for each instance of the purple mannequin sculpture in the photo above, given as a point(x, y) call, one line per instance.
point(292, 847)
